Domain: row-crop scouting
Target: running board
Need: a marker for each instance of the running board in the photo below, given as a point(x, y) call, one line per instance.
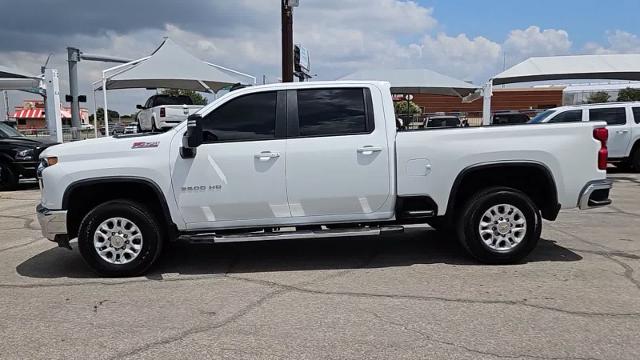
point(287, 235)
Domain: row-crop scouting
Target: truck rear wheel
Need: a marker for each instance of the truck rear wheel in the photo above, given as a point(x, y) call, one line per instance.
point(8, 177)
point(120, 238)
point(634, 161)
point(499, 225)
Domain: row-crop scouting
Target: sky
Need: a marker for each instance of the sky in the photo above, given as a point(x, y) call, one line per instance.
point(467, 39)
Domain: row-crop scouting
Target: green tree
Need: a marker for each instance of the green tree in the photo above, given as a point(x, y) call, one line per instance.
point(113, 116)
point(598, 97)
point(195, 96)
point(401, 108)
point(629, 94)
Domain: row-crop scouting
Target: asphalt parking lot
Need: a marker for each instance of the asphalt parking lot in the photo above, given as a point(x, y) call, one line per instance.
point(408, 296)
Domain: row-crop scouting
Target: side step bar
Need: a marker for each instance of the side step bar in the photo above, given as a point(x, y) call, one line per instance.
point(208, 238)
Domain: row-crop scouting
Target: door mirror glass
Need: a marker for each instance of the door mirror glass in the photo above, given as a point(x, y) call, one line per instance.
point(192, 138)
point(139, 107)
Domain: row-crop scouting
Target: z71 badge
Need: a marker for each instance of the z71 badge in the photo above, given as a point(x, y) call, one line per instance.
point(145, 144)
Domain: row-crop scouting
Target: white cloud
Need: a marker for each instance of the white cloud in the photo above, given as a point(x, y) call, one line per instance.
point(458, 56)
point(532, 41)
point(618, 42)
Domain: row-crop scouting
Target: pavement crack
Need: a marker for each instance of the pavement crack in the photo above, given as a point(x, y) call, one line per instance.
point(19, 245)
point(302, 289)
point(466, 348)
point(202, 328)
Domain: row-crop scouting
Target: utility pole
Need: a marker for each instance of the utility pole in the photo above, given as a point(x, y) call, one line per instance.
point(287, 39)
point(6, 104)
point(73, 57)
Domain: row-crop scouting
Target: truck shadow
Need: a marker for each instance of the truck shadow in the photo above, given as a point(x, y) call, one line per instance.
point(415, 246)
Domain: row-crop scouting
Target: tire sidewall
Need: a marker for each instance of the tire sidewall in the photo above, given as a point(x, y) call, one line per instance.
point(151, 238)
point(8, 177)
point(471, 221)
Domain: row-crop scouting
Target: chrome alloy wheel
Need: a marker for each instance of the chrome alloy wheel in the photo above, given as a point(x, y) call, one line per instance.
point(502, 227)
point(118, 240)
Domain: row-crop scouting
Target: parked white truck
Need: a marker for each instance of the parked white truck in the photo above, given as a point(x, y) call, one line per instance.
point(312, 160)
point(162, 112)
point(623, 123)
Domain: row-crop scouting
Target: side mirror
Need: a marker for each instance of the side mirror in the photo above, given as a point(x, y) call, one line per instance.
point(139, 107)
point(193, 137)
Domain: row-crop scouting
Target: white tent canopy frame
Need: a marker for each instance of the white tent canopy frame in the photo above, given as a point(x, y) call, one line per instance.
point(610, 67)
point(416, 81)
point(169, 66)
point(11, 79)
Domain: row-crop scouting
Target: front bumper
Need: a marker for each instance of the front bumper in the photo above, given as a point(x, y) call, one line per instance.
point(52, 222)
point(595, 194)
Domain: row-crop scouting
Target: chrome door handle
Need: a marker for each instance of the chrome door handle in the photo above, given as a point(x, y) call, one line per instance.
point(369, 149)
point(267, 155)
point(622, 131)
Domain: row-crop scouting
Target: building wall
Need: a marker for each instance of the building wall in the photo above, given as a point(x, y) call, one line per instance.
point(502, 99)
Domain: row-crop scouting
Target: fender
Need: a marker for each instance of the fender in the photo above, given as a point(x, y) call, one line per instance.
point(511, 164)
point(120, 179)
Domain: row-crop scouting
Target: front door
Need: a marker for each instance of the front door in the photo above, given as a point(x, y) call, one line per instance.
point(237, 178)
point(337, 156)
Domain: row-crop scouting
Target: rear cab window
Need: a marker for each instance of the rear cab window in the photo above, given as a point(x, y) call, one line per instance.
point(612, 116)
point(567, 116)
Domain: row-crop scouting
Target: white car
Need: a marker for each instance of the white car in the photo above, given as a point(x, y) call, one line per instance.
point(162, 112)
point(312, 160)
point(623, 123)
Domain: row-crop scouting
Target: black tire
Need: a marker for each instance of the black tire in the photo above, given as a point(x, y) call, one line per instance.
point(8, 177)
point(634, 160)
point(472, 213)
point(152, 238)
point(154, 129)
point(138, 128)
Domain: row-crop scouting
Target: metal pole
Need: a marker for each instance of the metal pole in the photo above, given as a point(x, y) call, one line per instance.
point(486, 102)
point(287, 42)
point(73, 57)
point(95, 115)
point(106, 111)
point(6, 104)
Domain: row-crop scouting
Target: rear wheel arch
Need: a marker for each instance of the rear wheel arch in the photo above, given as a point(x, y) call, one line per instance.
point(82, 196)
point(517, 175)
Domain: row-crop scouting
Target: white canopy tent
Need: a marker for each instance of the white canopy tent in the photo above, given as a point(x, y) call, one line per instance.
point(169, 66)
point(416, 81)
point(610, 67)
point(11, 79)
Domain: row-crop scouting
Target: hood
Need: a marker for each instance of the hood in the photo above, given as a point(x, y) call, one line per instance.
point(27, 142)
point(107, 146)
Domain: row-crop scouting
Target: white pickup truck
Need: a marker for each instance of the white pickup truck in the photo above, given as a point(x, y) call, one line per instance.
point(313, 160)
point(162, 112)
point(623, 123)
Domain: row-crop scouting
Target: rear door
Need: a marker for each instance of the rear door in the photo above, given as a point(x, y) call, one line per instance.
point(618, 126)
point(337, 155)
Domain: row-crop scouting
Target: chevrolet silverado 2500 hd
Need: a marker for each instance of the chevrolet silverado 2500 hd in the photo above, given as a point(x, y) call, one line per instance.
point(312, 160)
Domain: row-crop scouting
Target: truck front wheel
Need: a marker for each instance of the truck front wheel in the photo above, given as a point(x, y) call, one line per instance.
point(499, 225)
point(120, 238)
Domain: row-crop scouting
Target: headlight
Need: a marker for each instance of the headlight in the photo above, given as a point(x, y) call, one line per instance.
point(25, 155)
point(45, 162)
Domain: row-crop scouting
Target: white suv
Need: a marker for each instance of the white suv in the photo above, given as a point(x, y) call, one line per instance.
point(623, 123)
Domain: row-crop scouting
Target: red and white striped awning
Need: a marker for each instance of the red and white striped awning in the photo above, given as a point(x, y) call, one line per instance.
point(29, 114)
point(38, 114)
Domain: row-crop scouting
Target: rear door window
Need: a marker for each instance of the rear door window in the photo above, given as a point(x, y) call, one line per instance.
point(329, 112)
point(612, 116)
point(567, 116)
point(636, 114)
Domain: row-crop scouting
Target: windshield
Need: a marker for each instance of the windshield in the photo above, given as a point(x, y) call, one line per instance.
point(7, 131)
point(542, 116)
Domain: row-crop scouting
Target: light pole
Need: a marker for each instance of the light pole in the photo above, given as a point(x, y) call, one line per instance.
point(287, 39)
